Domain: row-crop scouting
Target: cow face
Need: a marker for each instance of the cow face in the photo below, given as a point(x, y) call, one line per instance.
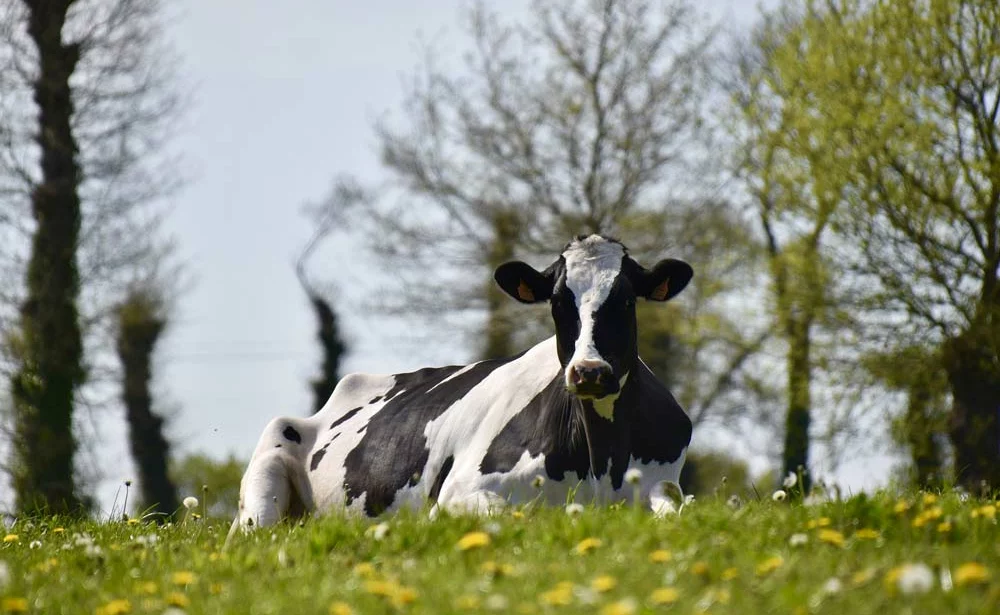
point(592, 289)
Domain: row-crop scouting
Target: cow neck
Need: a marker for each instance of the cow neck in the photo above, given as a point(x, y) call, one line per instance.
point(591, 422)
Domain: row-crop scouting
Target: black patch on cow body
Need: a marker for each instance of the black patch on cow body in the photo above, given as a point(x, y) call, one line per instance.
point(292, 435)
point(347, 416)
point(375, 400)
point(316, 458)
point(439, 479)
point(394, 447)
point(277, 446)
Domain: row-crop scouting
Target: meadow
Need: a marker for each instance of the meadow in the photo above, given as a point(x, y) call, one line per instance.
point(885, 553)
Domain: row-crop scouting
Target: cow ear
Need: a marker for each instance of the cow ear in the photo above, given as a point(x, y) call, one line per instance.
point(665, 280)
point(524, 282)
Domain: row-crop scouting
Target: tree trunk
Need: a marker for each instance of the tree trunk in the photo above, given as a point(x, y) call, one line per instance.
point(498, 333)
point(50, 346)
point(974, 375)
point(139, 330)
point(922, 429)
point(796, 450)
point(333, 349)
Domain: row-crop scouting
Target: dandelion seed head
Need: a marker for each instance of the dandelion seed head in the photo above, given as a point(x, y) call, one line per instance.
point(779, 496)
point(538, 481)
point(910, 579)
point(798, 540)
point(190, 502)
point(790, 480)
point(633, 476)
point(574, 509)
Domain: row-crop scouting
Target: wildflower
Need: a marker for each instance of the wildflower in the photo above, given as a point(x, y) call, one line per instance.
point(928, 499)
point(496, 602)
point(910, 578)
point(177, 599)
point(467, 602)
point(832, 586)
point(560, 595)
point(664, 595)
point(364, 569)
point(622, 607)
point(633, 476)
point(133, 521)
point(183, 577)
point(779, 496)
point(797, 540)
point(821, 522)
point(660, 556)
point(700, 569)
point(403, 596)
point(473, 540)
point(862, 577)
point(14, 605)
point(831, 537)
point(11, 538)
point(377, 531)
point(944, 527)
point(866, 534)
point(495, 569)
point(603, 583)
point(517, 514)
point(34, 544)
point(971, 574)
point(190, 502)
point(148, 588)
point(790, 481)
point(115, 607)
point(734, 502)
point(587, 545)
point(986, 512)
point(538, 481)
point(729, 574)
point(341, 608)
point(58, 530)
point(215, 589)
point(769, 565)
point(901, 507)
point(574, 509)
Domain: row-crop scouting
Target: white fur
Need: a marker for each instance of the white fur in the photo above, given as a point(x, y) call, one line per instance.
point(592, 264)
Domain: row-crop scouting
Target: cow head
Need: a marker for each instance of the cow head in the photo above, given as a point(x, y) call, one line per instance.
point(592, 289)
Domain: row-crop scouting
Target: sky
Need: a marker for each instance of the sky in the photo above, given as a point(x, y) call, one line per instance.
point(284, 96)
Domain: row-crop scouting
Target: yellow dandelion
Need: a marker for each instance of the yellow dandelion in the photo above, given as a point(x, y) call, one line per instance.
point(183, 577)
point(928, 499)
point(517, 514)
point(660, 556)
point(664, 595)
point(133, 522)
point(177, 599)
point(403, 596)
point(720, 595)
point(365, 569)
point(867, 534)
point(47, 565)
point(115, 607)
point(621, 607)
point(11, 538)
point(587, 545)
point(603, 583)
point(58, 530)
point(473, 540)
point(14, 605)
point(215, 588)
point(862, 577)
point(700, 569)
point(380, 588)
point(919, 521)
point(986, 512)
point(495, 569)
point(729, 574)
point(560, 595)
point(148, 588)
point(944, 527)
point(468, 602)
point(341, 608)
point(821, 522)
point(901, 507)
point(831, 537)
point(971, 574)
point(934, 513)
point(769, 565)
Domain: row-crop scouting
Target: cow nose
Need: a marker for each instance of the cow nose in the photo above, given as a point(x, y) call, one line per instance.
point(589, 373)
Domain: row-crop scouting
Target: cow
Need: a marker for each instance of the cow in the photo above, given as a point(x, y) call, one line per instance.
point(571, 414)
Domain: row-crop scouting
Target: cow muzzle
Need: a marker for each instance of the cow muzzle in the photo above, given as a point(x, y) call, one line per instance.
point(591, 379)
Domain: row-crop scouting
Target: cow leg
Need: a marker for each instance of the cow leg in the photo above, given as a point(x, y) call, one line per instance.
point(475, 503)
point(274, 486)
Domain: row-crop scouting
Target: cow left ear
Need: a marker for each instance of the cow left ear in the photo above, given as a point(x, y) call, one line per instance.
point(665, 280)
point(524, 282)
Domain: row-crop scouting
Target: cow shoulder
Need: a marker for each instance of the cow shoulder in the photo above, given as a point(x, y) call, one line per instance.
point(661, 430)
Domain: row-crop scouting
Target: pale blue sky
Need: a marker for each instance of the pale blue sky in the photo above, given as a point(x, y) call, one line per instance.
point(285, 95)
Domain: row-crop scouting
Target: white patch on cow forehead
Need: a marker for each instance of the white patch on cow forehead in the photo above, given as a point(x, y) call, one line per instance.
point(592, 264)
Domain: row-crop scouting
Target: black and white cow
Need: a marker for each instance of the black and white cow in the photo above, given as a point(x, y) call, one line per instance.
point(578, 410)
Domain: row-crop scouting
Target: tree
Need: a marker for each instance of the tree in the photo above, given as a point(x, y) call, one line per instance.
point(141, 322)
point(589, 118)
point(90, 81)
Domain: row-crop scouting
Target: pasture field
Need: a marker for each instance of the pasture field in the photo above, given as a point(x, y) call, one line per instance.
point(915, 553)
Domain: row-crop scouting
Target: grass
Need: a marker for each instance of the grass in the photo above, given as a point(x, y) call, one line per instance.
point(766, 557)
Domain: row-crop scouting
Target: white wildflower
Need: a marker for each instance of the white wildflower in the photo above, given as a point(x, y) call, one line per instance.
point(633, 476)
point(585, 595)
point(190, 502)
point(492, 528)
point(688, 499)
point(538, 481)
point(34, 544)
point(496, 602)
point(915, 579)
point(797, 540)
point(147, 540)
point(790, 481)
point(832, 586)
point(83, 540)
point(574, 509)
point(93, 550)
point(779, 496)
point(734, 502)
point(174, 611)
point(377, 532)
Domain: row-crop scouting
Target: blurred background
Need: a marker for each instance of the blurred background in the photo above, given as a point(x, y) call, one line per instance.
point(209, 211)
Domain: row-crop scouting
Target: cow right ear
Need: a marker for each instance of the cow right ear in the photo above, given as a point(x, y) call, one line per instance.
point(523, 282)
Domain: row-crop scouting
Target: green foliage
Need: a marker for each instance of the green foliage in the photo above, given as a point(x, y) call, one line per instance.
point(193, 473)
point(605, 560)
point(715, 474)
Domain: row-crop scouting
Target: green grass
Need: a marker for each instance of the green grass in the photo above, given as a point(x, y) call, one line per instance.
point(713, 560)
